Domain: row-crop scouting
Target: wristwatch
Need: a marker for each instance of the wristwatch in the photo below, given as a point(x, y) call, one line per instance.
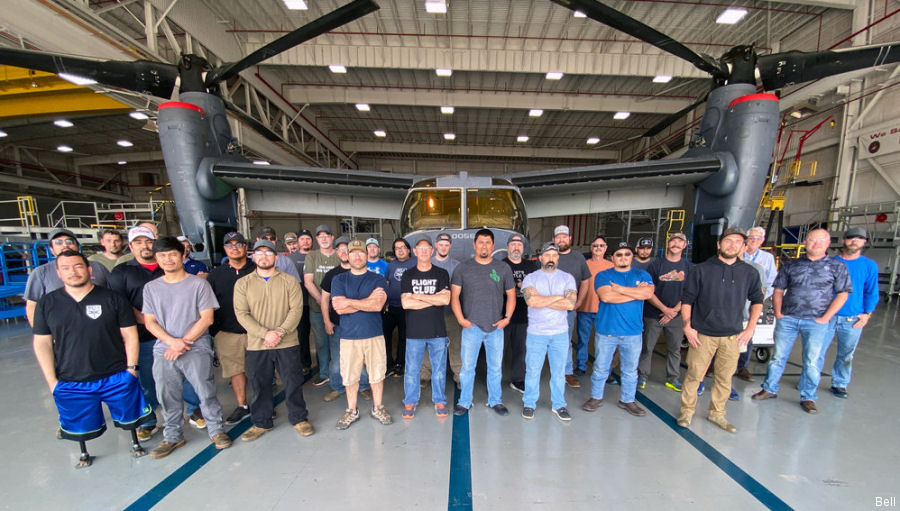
point(135, 367)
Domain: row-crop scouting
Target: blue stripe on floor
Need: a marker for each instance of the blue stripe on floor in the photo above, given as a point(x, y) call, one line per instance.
point(174, 480)
point(460, 498)
point(760, 492)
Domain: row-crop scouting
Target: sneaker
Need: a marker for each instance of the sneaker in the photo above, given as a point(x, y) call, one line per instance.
point(734, 396)
point(196, 419)
point(165, 448)
point(304, 428)
point(840, 392)
point(701, 388)
point(331, 396)
point(518, 387)
point(460, 410)
point(562, 414)
point(348, 418)
point(591, 405)
point(221, 441)
point(398, 371)
point(613, 379)
point(440, 410)
point(318, 381)
point(143, 433)
point(632, 408)
point(239, 414)
point(366, 394)
point(409, 411)
point(253, 433)
point(745, 375)
point(722, 423)
point(763, 394)
point(528, 413)
point(382, 415)
point(674, 385)
point(572, 381)
point(642, 383)
point(500, 409)
point(684, 420)
point(809, 406)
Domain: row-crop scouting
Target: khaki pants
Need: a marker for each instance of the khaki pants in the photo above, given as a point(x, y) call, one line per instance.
point(726, 351)
point(453, 333)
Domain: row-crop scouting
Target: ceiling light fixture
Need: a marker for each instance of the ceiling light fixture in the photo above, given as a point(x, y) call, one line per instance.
point(140, 116)
point(3, 134)
point(77, 80)
point(621, 115)
point(443, 71)
point(579, 14)
point(593, 140)
point(64, 149)
point(363, 107)
point(296, 5)
point(662, 79)
point(522, 138)
point(447, 110)
point(554, 75)
point(121, 162)
point(261, 162)
point(535, 112)
point(124, 143)
point(449, 136)
point(63, 123)
point(731, 16)
point(436, 6)
point(337, 68)
point(380, 133)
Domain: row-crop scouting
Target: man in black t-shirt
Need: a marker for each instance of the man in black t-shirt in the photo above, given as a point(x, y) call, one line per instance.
point(424, 291)
point(514, 334)
point(86, 344)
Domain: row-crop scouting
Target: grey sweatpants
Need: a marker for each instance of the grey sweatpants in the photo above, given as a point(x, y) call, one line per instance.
point(195, 366)
point(674, 333)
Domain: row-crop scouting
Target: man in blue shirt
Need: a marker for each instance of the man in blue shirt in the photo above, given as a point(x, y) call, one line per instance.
point(618, 324)
point(857, 310)
point(808, 293)
point(393, 316)
point(373, 262)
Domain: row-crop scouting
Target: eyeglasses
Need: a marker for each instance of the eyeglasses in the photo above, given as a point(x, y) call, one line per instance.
point(64, 241)
point(598, 245)
point(235, 246)
point(267, 253)
point(627, 254)
point(755, 238)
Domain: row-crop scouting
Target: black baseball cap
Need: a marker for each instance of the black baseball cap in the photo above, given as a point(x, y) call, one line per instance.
point(444, 236)
point(304, 232)
point(644, 242)
point(265, 231)
point(733, 230)
point(234, 236)
point(625, 245)
point(856, 232)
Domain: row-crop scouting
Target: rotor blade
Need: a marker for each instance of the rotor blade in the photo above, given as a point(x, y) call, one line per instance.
point(142, 76)
point(330, 21)
point(663, 124)
point(787, 68)
point(624, 23)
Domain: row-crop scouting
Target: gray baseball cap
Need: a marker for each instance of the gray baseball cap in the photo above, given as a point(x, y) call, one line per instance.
point(856, 232)
point(264, 244)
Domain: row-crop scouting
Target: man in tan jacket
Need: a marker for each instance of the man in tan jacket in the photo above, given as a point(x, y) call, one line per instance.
point(268, 304)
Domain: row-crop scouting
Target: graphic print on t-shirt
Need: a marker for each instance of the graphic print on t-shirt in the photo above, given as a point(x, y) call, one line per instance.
point(672, 276)
point(424, 286)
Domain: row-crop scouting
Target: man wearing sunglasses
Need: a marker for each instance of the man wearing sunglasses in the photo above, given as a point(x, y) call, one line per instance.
point(45, 279)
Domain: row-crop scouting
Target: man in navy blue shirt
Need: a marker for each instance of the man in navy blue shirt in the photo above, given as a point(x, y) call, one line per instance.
point(857, 310)
point(808, 293)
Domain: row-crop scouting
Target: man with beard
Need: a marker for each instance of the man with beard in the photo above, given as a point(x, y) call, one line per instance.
point(643, 253)
point(113, 244)
point(333, 327)
point(477, 292)
point(373, 262)
point(358, 296)
point(394, 317)
point(442, 259)
point(574, 264)
point(317, 264)
point(754, 255)
point(229, 336)
point(297, 251)
point(268, 304)
point(622, 291)
point(809, 292)
point(712, 310)
point(178, 310)
point(86, 345)
point(857, 311)
point(587, 313)
point(662, 311)
point(549, 293)
point(515, 333)
point(131, 255)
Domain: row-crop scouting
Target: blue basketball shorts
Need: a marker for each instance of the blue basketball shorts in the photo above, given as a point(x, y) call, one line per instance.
point(80, 412)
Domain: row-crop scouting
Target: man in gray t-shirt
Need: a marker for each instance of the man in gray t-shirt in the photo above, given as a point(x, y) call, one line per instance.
point(575, 265)
point(178, 309)
point(477, 289)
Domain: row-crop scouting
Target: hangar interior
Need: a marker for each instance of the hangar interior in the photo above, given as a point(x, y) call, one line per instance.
point(490, 88)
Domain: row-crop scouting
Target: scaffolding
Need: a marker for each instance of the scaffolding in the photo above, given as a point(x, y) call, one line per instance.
point(881, 220)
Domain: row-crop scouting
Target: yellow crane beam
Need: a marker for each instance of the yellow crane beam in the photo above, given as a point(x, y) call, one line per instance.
point(28, 93)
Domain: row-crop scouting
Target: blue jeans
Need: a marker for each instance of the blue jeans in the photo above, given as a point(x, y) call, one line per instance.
point(148, 385)
point(322, 351)
point(334, 371)
point(553, 347)
point(847, 339)
point(815, 338)
point(570, 318)
point(471, 340)
point(629, 355)
point(585, 325)
point(415, 352)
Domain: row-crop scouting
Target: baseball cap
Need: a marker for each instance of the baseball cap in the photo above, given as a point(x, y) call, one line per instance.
point(264, 244)
point(645, 242)
point(234, 236)
point(182, 238)
point(289, 236)
point(265, 231)
point(372, 240)
point(561, 229)
point(304, 232)
point(323, 228)
point(549, 246)
point(426, 239)
point(342, 240)
point(444, 236)
point(625, 245)
point(679, 235)
point(65, 232)
point(856, 232)
point(137, 232)
point(356, 246)
point(515, 237)
point(733, 230)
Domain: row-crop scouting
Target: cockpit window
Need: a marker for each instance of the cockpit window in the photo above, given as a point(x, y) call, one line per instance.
point(432, 209)
point(496, 207)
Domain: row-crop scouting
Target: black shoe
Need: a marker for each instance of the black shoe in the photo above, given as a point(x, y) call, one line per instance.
point(318, 381)
point(528, 413)
point(518, 387)
point(614, 379)
point(238, 415)
point(840, 392)
point(398, 371)
point(562, 414)
point(500, 409)
point(579, 372)
point(460, 410)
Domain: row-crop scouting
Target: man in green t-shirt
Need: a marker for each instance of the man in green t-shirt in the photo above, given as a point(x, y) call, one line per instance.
point(317, 264)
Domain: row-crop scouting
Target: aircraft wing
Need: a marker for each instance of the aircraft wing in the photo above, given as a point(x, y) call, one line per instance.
point(613, 187)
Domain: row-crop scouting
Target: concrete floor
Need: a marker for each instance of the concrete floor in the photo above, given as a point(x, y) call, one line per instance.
point(780, 458)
